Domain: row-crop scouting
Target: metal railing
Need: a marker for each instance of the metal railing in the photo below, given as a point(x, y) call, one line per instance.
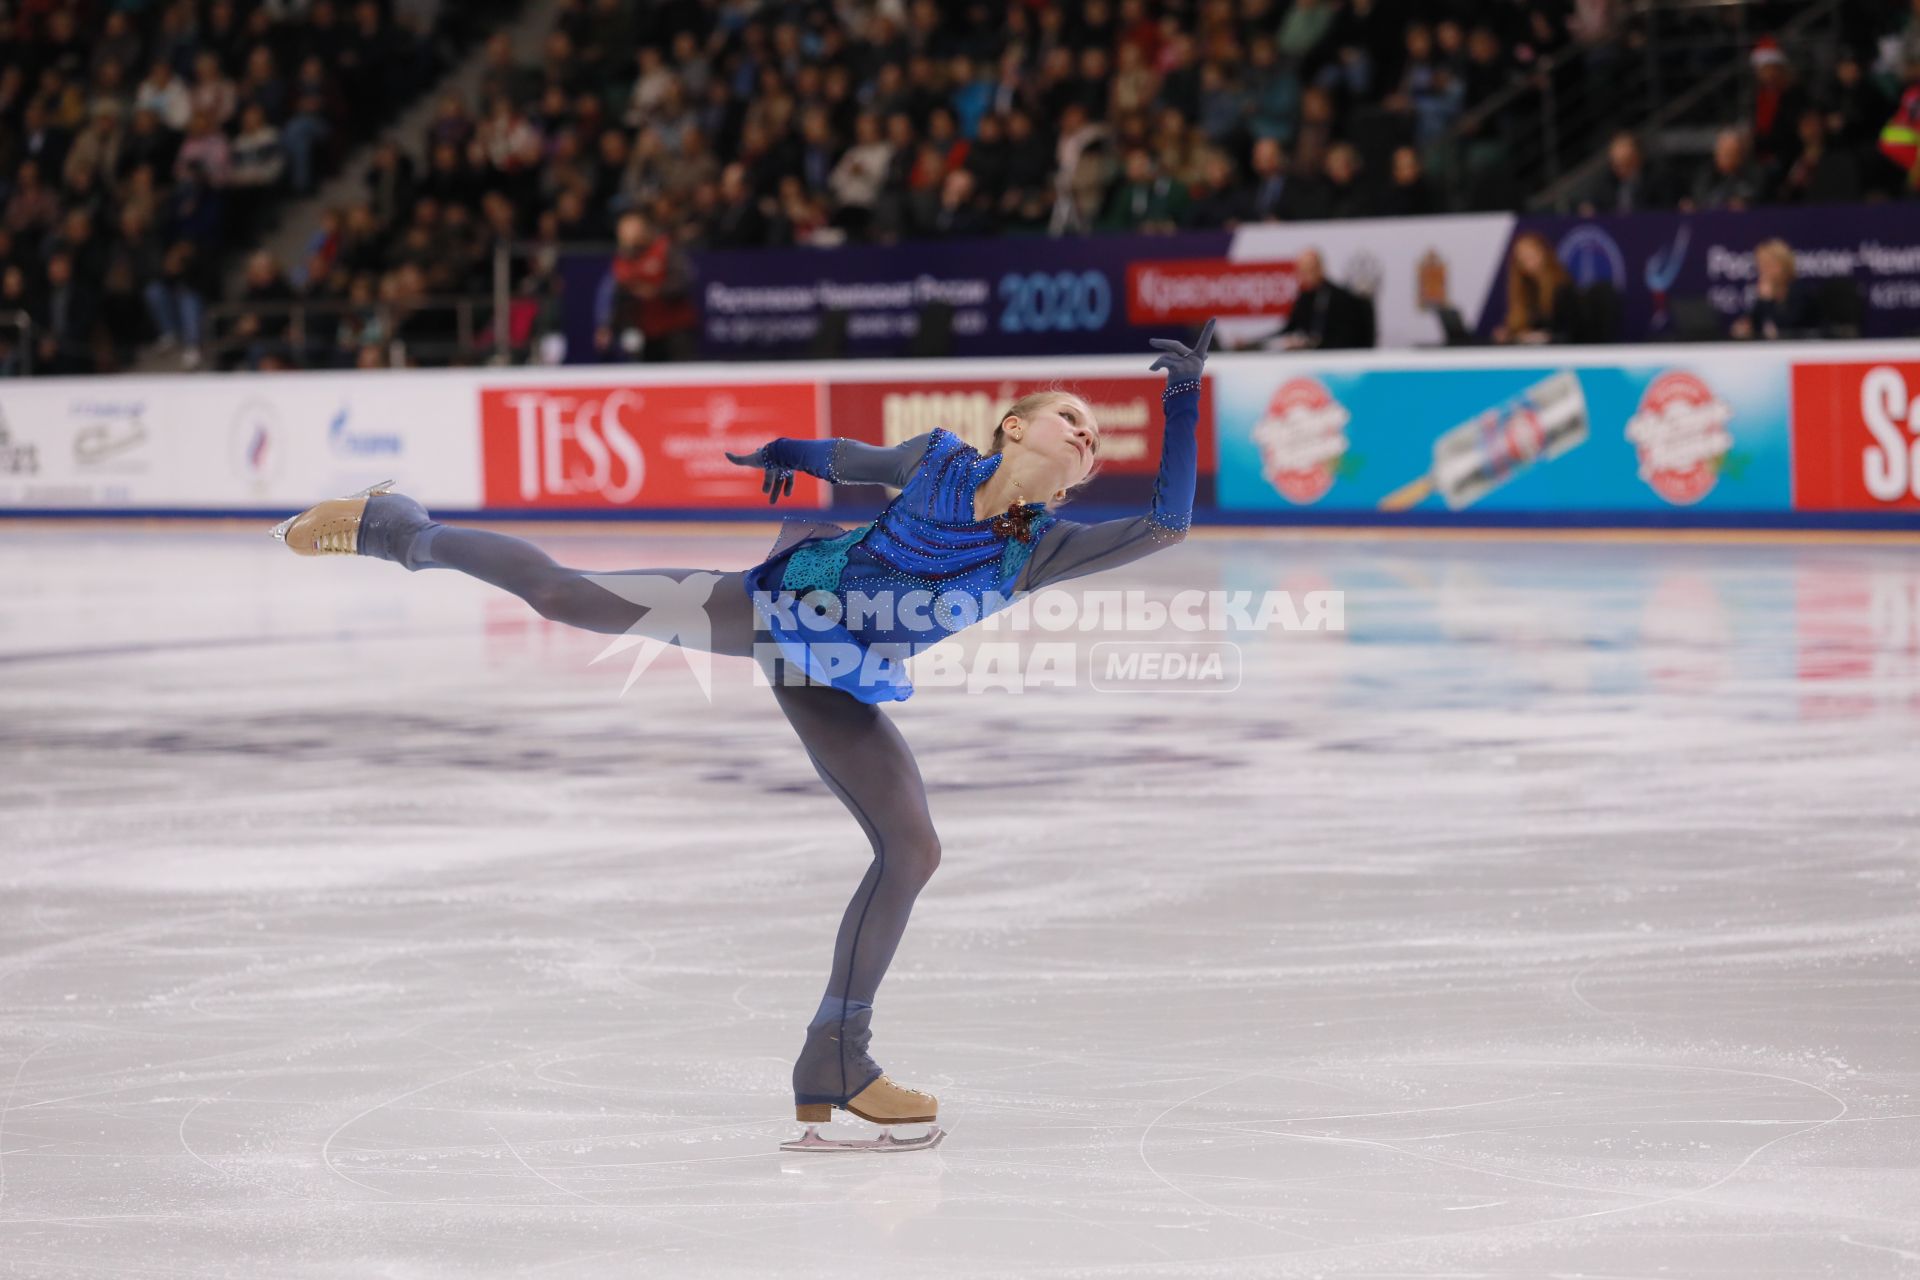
point(311, 333)
point(16, 359)
point(1811, 38)
point(1546, 133)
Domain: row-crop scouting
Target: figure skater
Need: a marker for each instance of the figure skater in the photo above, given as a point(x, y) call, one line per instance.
point(964, 533)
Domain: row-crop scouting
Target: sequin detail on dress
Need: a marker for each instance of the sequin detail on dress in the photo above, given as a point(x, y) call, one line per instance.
point(818, 565)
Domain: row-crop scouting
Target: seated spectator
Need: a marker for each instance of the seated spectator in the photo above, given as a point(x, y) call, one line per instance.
point(1273, 92)
point(64, 328)
point(1488, 70)
point(1541, 303)
point(989, 160)
point(1135, 84)
point(1628, 184)
point(132, 258)
point(176, 299)
point(1409, 194)
point(1222, 201)
point(1732, 181)
point(1274, 196)
point(33, 207)
point(1900, 137)
point(258, 157)
point(1325, 316)
point(147, 144)
point(958, 212)
point(1429, 91)
point(1338, 192)
point(1855, 114)
point(311, 125)
point(16, 294)
point(212, 95)
point(265, 326)
point(1777, 105)
point(1145, 199)
point(1029, 168)
point(94, 156)
point(1305, 28)
point(206, 151)
point(1820, 174)
point(741, 223)
point(1782, 305)
point(263, 86)
point(163, 94)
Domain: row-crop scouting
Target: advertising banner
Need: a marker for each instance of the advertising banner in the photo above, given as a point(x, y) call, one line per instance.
point(1652, 258)
point(638, 445)
point(1073, 295)
point(1407, 266)
point(1009, 296)
point(1856, 436)
point(232, 441)
point(1691, 433)
point(1707, 434)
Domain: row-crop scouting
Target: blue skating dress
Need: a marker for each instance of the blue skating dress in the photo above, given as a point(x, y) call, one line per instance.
point(849, 606)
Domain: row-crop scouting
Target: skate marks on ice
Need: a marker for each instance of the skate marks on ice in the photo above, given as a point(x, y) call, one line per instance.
point(1557, 919)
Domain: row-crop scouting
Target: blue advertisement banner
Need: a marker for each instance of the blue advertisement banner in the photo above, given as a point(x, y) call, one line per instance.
point(1708, 435)
point(1653, 258)
point(1009, 296)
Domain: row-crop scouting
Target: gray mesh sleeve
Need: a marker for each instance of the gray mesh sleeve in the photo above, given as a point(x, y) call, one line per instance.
point(854, 462)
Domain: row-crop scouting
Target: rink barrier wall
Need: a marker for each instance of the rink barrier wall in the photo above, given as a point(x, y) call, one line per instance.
point(1700, 436)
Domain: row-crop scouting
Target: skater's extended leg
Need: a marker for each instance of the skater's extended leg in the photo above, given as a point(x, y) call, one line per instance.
point(860, 754)
point(693, 608)
point(637, 600)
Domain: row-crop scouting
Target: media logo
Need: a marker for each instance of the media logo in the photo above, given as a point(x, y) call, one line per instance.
point(109, 434)
point(17, 459)
point(1856, 436)
point(1680, 433)
point(254, 442)
point(658, 446)
point(1193, 290)
point(1592, 257)
point(1302, 438)
point(344, 440)
point(1364, 273)
point(1663, 268)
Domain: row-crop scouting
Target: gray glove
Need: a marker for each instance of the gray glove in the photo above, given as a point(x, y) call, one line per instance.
point(1183, 363)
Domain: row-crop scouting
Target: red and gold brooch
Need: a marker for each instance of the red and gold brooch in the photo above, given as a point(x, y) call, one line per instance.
point(1014, 522)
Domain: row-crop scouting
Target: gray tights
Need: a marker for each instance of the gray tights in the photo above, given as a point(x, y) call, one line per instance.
point(855, 748)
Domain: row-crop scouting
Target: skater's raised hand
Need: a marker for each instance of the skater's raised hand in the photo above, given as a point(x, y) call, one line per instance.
point(1183, 363)
point(778, 481)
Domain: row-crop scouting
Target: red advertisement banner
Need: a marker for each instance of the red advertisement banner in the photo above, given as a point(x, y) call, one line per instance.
point(1126, 408)
point(638, 446)
point(1856, 436)
point(1193, 290)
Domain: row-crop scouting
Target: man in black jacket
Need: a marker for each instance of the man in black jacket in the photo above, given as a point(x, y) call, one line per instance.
point(1325, 317)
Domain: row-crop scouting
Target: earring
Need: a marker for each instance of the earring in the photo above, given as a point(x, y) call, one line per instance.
point(1059, 494)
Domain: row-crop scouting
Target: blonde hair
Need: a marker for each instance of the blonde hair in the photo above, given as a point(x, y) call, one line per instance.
point(1777, 248)
point(1028, 405)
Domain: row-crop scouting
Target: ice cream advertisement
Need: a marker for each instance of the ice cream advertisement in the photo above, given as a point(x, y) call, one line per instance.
point(1699, 435)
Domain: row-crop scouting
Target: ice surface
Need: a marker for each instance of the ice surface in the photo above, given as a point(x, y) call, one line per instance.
point(1559, 919)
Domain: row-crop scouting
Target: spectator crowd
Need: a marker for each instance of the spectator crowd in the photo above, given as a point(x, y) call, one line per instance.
point(142, 134)
point(140, 140)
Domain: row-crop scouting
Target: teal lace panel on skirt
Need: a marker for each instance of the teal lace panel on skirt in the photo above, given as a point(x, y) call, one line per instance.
point(818, 565)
